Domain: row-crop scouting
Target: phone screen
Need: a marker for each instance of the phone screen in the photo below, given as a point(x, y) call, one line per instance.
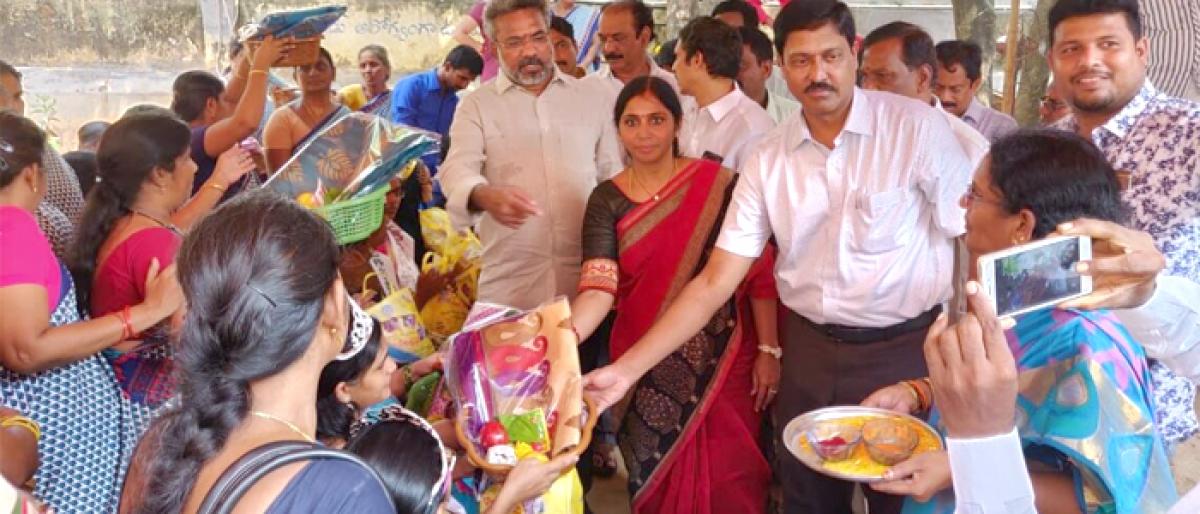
point(1045, 274)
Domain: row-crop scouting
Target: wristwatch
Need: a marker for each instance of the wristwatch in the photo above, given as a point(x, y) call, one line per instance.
point(773, 351)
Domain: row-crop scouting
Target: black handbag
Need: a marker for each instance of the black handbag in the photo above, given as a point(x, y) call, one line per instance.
point(243, 474)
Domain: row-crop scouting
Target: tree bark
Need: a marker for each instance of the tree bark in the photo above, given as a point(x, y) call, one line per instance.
point(679, 12)
point(1034, 71)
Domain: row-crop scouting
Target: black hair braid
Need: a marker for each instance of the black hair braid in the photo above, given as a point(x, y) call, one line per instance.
point(256, 273)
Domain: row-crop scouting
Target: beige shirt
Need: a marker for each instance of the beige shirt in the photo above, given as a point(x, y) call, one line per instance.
point(556, 149)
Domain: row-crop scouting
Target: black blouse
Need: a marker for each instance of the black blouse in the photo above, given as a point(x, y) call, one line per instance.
point(605, 208)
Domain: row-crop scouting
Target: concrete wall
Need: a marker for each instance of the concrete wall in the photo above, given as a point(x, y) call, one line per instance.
point(86, 32)
point(92, 59)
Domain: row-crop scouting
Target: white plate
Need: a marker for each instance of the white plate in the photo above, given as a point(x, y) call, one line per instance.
point(798, 426)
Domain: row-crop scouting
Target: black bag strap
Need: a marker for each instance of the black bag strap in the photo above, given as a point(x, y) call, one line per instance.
point(243, 474)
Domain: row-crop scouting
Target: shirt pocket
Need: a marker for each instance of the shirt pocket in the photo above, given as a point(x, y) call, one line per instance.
point(883, 221)
point(500, 159)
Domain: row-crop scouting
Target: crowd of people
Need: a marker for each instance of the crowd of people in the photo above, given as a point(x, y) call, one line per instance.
point(749, 227)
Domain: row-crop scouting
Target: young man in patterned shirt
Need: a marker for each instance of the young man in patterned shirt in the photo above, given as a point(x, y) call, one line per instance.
point(1099, 54)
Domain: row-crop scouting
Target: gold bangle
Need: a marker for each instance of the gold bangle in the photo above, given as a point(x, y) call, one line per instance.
point(23, 422)
point(218, 187)
point(252, 72)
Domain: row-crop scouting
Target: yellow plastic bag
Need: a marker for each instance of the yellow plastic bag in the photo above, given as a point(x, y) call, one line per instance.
point(435, 228)
point(565, 496)
point(448, 284)
point(403, 330)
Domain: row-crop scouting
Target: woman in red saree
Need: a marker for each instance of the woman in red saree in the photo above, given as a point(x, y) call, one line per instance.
point(690, 427)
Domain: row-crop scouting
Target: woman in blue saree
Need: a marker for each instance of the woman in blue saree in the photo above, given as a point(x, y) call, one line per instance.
point(1085, 412)
point(293, 125)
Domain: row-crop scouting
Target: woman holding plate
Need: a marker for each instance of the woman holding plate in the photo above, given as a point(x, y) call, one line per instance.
point(1085, 412)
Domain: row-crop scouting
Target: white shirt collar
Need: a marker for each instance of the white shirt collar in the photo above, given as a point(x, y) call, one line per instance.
point(859, 121)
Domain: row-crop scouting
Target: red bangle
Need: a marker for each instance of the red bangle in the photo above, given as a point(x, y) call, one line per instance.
point(922, 398)
point(127, 331)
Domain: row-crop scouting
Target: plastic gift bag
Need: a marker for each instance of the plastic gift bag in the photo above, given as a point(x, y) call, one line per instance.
point(521, 369)
point(435, 228)
point(402, 327)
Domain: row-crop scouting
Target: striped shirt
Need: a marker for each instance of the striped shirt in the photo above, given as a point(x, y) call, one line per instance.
point(1173, 27)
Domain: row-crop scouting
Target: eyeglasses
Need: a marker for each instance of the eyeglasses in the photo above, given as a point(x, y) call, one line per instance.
point(517, 43)
point(972, 195)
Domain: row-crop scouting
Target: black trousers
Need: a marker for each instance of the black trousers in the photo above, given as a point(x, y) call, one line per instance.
point(819, 371)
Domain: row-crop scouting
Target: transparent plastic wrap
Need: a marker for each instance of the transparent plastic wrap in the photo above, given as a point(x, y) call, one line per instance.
point(515, 378)
point(351, 158)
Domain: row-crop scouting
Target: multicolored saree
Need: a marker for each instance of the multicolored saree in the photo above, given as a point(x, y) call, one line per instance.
point(689, 433)
point(1085, 408)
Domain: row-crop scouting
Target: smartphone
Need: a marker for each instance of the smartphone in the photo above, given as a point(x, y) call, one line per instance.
point(1035, 276)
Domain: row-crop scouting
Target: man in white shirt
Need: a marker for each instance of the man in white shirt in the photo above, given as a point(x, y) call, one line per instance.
point(959, 77)
point(758, 58)
point(723, 122)
point(977, 397)
point(626, 29)
point(861, 192)
point(899, 58)
point(525, 158)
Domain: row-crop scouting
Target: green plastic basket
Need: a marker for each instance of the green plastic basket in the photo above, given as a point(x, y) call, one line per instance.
point(355, 220)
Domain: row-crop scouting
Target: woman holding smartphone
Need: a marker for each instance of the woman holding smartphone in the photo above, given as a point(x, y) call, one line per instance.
point(1085, 386)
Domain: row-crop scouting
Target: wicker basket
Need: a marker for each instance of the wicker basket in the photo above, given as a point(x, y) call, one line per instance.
point(306, 51)
point(500, 472)
point(356, 219)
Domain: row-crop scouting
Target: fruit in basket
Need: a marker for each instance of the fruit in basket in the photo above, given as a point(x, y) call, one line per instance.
point(493, 434)
point(308, 200)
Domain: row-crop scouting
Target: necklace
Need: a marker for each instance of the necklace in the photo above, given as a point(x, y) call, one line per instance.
point(653, 196)
point(161, 223)
point(289, 424)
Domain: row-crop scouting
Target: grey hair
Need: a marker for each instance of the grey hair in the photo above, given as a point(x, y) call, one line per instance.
point(498, 8)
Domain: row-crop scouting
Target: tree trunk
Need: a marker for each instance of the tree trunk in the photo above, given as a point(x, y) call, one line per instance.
point(1034, 71)
point(679, 12)
point(975, 20)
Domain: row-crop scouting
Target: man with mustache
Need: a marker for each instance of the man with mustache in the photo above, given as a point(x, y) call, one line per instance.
point(899, 58)
point(1099, 54)
point(958, 80)
point(523, 161)
point(861, 192)
point(723, 122)
point(626, 29)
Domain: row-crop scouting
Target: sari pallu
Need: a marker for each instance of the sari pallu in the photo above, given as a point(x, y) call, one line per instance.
point(690, 430)
point(1085, 407)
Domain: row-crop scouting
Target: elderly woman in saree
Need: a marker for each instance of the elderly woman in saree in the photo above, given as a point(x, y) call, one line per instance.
point(373, 95)
point(689, 436)
point(1085, 414)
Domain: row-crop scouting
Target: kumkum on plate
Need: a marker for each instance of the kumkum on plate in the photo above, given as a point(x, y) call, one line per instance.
point(859, 466)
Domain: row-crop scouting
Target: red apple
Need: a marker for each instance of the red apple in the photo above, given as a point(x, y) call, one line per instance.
point(493, 434)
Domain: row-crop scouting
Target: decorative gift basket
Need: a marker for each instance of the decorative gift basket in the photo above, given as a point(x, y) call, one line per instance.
point(343, 172)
